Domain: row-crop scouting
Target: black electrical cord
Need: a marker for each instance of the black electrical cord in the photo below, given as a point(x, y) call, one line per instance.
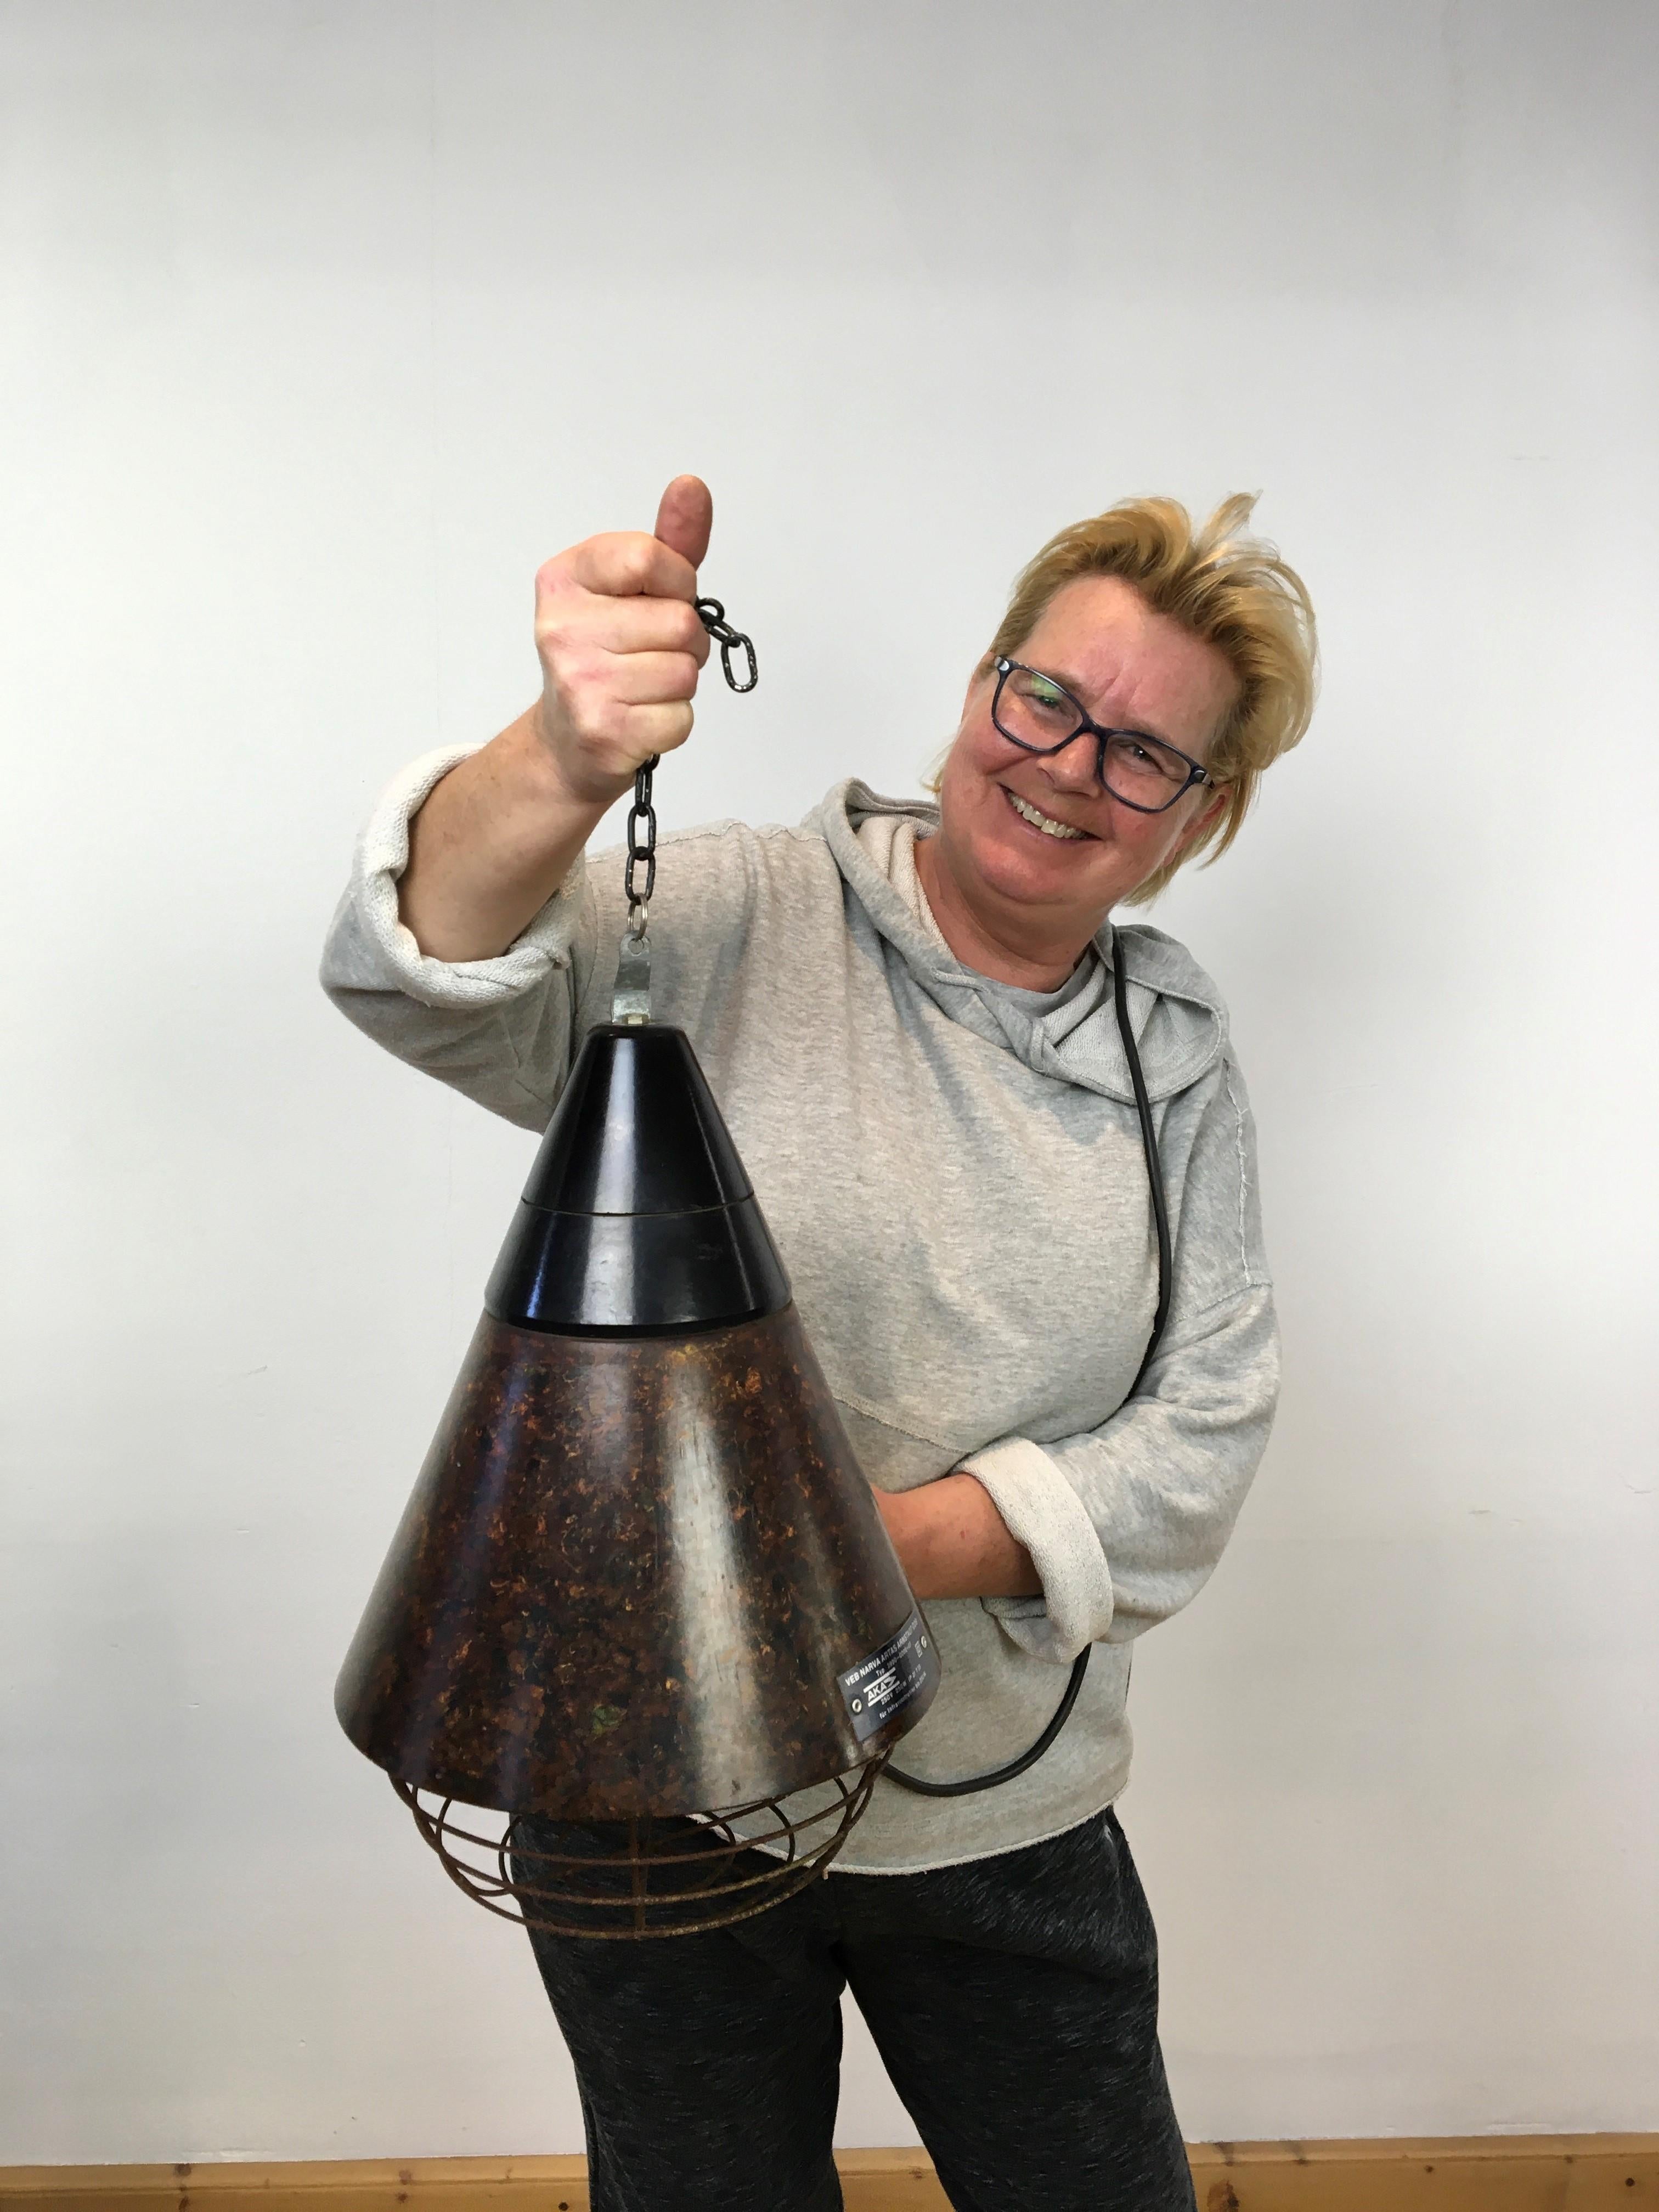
point(972, 1783)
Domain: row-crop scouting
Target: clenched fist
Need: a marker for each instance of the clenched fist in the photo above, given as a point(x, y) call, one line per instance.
point(622, 645)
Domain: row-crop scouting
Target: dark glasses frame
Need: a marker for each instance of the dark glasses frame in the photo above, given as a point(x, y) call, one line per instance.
point(1196, 771)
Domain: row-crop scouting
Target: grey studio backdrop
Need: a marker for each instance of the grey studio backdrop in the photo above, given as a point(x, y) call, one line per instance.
point(323, 325)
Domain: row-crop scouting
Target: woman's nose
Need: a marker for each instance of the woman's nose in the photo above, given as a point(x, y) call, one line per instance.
point(1075, 767)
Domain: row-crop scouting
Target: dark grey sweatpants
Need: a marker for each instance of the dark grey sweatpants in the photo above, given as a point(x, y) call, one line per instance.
point(1014, 2001)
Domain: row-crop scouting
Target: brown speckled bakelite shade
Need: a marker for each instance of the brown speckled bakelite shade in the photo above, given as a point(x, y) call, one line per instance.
point(639, 1559)
point(627, 1580)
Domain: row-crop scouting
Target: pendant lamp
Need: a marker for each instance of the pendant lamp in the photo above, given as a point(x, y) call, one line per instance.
point(641, 1589)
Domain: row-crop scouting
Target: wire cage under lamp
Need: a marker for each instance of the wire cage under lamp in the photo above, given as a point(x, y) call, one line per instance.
point(519, 1881)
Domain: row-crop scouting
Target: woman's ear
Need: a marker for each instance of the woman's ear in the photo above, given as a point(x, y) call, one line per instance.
point(934, 774)
point(1212, 812)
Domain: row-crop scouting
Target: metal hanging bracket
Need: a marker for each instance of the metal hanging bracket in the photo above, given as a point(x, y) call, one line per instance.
point(631, 1004)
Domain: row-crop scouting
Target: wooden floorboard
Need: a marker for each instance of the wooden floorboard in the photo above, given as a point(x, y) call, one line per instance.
point(1510, 2173)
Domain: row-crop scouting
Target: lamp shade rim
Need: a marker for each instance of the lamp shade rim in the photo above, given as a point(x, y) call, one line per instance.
point(641, 1332)
point(632, 1212)
point(636, 1274)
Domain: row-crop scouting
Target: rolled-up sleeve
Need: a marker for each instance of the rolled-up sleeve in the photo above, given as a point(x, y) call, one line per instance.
point(1125, 1522)
point(499, 1030)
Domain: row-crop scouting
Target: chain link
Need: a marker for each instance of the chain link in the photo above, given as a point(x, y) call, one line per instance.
point(712, 615)
point(643, 815)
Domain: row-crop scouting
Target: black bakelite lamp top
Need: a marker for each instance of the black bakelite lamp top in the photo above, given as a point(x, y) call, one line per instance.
point(639, 1217)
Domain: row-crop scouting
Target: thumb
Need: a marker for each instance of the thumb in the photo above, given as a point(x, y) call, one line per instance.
point(685, 517)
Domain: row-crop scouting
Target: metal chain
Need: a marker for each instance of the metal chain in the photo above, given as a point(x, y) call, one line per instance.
point(639, 895)
point(713, 617)
point(633, 997)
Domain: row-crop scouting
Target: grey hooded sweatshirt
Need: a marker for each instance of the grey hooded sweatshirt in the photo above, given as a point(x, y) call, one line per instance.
point(953, 1173)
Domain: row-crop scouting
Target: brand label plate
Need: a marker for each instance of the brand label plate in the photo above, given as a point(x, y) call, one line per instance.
point(882, 1685)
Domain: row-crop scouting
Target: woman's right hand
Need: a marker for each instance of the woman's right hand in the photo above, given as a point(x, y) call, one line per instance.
point(622, 647)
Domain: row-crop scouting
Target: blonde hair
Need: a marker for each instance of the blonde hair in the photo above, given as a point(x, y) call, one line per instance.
point(1223, 586)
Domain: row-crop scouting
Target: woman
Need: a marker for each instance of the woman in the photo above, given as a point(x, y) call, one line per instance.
point(907, 1014)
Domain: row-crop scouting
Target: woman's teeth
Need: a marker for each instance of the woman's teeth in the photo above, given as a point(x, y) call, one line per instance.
point(1048, 827)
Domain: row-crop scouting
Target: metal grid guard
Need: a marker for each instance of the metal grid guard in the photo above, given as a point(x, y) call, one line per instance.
point(613, 1886)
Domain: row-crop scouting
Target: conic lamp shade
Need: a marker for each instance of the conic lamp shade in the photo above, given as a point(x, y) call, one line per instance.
point(642, 1585)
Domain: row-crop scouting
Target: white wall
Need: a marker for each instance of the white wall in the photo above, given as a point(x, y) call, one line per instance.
point(324, 323)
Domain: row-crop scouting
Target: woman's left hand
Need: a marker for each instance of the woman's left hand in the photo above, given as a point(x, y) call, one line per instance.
point(952, 1542)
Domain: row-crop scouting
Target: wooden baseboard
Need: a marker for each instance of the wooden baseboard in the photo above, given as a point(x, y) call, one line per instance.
point(1477, 2173)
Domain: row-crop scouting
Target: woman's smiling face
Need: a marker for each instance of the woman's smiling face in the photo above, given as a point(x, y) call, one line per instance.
point(1060, 874)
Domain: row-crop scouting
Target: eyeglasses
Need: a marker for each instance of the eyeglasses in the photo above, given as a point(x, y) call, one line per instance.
point(1041, 716)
